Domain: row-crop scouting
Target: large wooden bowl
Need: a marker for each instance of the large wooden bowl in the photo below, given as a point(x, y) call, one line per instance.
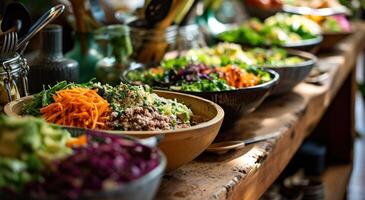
point(180, 146)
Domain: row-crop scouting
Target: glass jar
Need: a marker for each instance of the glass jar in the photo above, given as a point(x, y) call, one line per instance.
point(116, 44)
point(150, 45)
point(87, 54)
point(13, 77)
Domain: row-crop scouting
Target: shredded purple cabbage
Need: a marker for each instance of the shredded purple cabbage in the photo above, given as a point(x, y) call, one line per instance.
point(99, 166)
point(192, 72)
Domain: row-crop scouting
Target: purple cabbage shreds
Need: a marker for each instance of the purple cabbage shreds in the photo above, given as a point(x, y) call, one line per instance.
point(99, 166)
point(192, 72)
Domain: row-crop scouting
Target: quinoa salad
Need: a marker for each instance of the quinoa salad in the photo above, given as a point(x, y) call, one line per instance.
point(101, 106)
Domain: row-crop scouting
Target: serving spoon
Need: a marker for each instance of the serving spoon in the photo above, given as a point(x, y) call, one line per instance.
point(46, 18)
point(225, 146)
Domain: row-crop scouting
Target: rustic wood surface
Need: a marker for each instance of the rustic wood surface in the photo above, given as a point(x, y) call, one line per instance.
point(247, 173)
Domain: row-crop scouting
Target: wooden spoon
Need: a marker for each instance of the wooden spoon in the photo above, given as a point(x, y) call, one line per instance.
point(152, 51)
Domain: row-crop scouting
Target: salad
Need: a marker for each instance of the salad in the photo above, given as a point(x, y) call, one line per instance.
point(332, 24)
point(230, 52)
point(39, 160)
point(279, 29)
point(221, 68)
point(97, 106)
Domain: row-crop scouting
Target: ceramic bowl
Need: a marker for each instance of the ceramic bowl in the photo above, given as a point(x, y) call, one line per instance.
point(235, 103)
point(292, 75)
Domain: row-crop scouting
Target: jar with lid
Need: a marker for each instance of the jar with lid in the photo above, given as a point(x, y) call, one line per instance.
point(116, 44)
point(13, 78)
point(150, 45)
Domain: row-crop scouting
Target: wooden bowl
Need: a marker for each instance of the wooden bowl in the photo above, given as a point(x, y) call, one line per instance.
point(181, 145)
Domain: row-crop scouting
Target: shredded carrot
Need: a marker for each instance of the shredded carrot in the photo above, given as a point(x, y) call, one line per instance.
point(238, 77)
point(77, 141)
point(79, 107)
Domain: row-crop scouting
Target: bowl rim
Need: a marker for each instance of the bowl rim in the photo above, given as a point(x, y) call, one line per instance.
point(274, 75)
point(342, 33)
point(307, 42)
point(302, 43)
point(310, 59)
point(218, 117)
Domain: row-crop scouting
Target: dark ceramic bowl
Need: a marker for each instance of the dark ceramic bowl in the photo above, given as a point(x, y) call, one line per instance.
point(292, 75)
point(309, 45)
point(330, 40)
point(236, 102)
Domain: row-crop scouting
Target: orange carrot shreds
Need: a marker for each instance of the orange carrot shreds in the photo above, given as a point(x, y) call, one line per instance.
point(237, 77)
point(78, 107)
point(77, 141)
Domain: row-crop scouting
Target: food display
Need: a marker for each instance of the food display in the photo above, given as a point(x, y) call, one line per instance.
point(98, 106)
point(37, 158)
point(280, 29)
point(176, 99)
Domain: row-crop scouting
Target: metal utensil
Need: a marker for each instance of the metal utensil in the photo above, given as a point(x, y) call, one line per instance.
point(9, 44)
point(47, 18)
point(223, 147)
point(16, 15)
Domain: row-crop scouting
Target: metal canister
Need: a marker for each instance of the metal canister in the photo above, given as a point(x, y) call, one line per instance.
point(13, 78)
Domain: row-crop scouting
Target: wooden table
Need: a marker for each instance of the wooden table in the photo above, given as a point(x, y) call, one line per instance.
point(247, 173)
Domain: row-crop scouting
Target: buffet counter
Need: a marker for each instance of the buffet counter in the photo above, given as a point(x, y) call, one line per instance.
point(326, 108)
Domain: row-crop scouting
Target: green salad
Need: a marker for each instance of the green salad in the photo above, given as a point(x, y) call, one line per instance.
point(225, 53)
point(26, 144)
point(223, 67)
point(279, 29)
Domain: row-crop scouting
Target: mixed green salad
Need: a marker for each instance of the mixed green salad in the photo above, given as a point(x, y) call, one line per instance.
point(225, 53)
point(223, 67)
point(332, 24)
point(279, 29)
point(26, 146)
point(42, 161)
